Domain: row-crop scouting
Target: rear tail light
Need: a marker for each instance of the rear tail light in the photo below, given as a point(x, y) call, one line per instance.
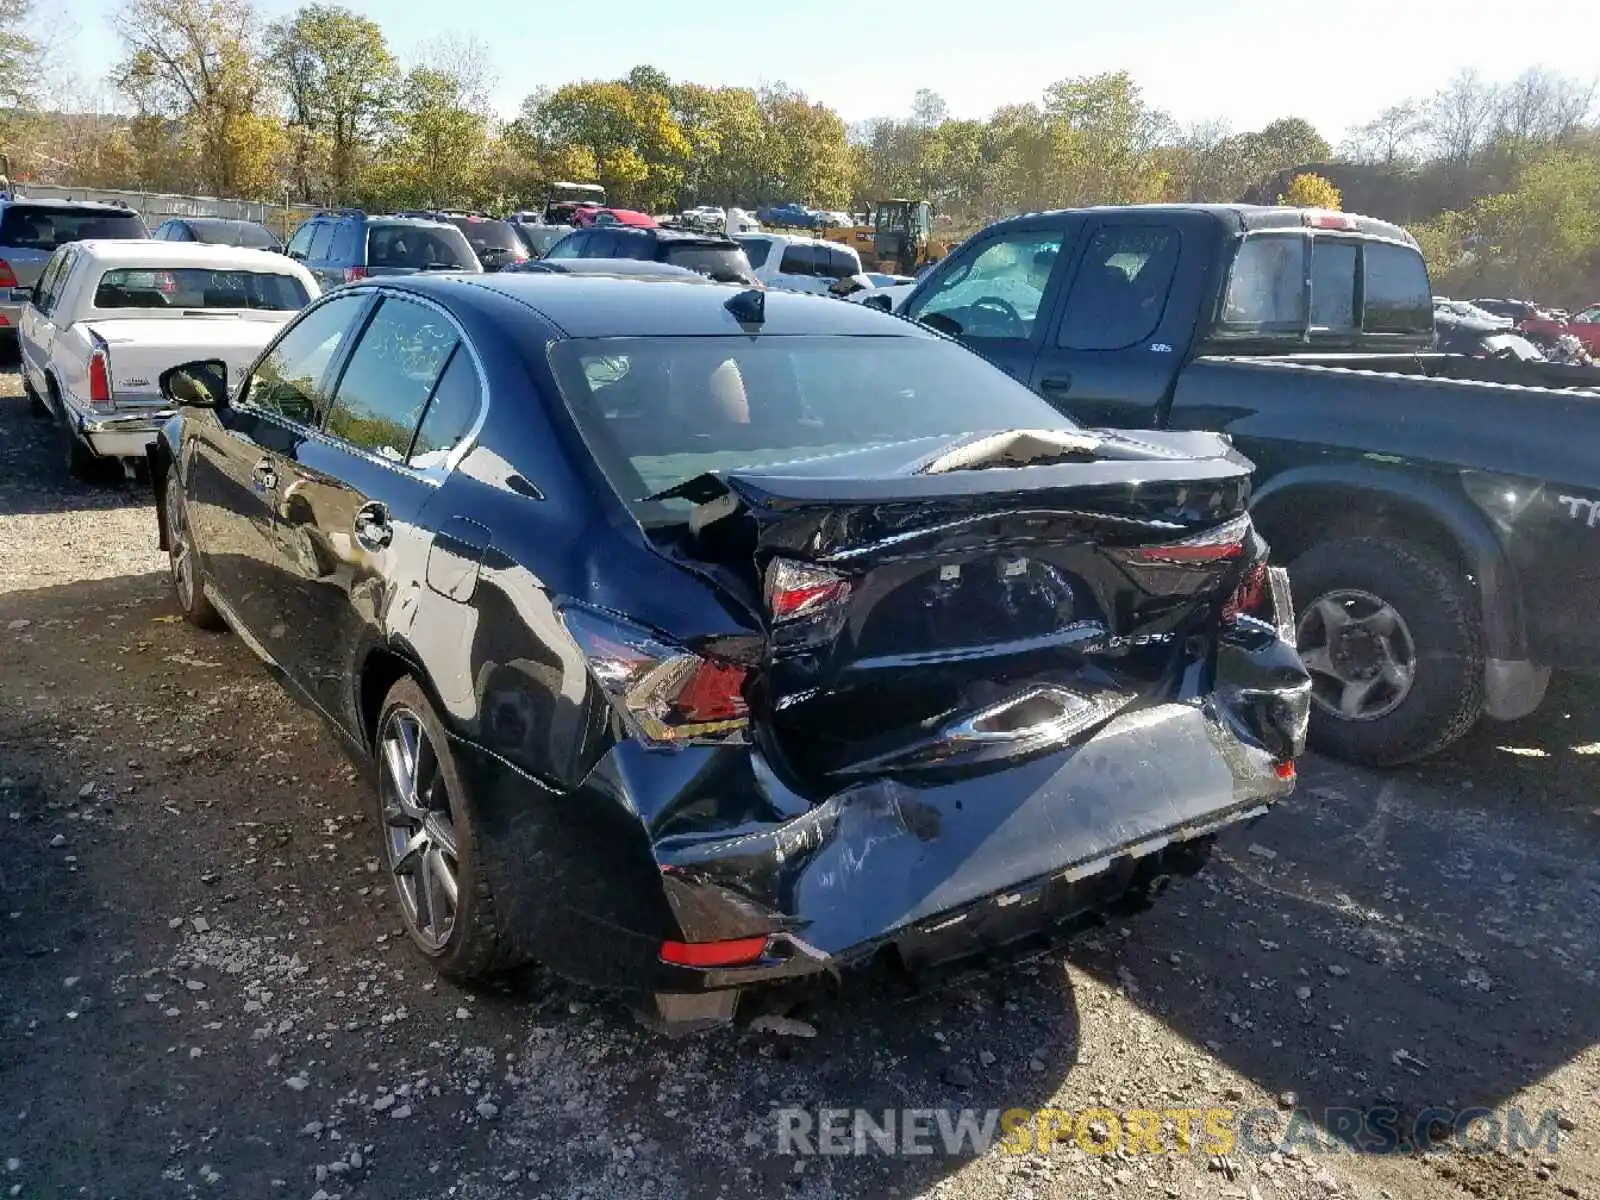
point(1220, 544)
point(99, 379)
point(665, 693)
point(797, 590)
point(714, 954)
point(351, 274)
point(8, 277)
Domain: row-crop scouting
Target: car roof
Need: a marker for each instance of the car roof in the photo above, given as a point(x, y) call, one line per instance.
point(99, 206)
point(683, 236)
point(420, 222)
point(142, 252)
point(611, 266)
point(1236, 217)
point(589, 306)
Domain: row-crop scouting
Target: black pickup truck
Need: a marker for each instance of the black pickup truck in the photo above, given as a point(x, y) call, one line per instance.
point(1440, 521)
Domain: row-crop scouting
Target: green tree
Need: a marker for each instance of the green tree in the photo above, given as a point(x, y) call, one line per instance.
point(1309, 190)
point(811, 158)
point(341, 82)
point(437, 147)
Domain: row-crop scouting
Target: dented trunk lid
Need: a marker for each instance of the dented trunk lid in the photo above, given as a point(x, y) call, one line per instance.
point(951, 601)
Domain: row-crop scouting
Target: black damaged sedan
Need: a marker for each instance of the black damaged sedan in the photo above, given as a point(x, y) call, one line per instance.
point(699, 638)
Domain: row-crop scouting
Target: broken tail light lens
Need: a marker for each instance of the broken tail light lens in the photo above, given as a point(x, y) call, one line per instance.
point(796, 590)
point(1251, 598)
point(1220, 544)
point(665, 693)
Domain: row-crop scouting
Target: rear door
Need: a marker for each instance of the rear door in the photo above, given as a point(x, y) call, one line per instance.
point(351, 509)
point(1125, 325)
point(239, 477)
point(996, 293)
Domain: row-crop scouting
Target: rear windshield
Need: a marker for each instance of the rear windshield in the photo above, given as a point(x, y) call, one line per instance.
point(726, 264)
point(419, 247)
point(197, 287)
point(483, 234)
point(235, 233)
point(656, 412)
point(41, 227)
point(1354, 285)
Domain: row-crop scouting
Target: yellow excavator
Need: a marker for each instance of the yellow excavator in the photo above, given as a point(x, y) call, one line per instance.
point(896, 240)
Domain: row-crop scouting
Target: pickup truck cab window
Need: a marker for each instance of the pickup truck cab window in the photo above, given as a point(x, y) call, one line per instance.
point(1396, 292)
point(1333, 284)
point(290, 380)
point(997, 291)
point(389, 377)
point(1120, 289)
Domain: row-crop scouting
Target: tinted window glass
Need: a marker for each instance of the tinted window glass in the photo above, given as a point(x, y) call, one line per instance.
point(450, 414)
point(600, 244)
point(841, 264)
point(195, 287)
point(41, 227)
point(723, 263)
point(570, 246)
point(798, 259)
point(756, 250)
point(389, 377)
point(1120, 289)
point(419, 248)
point(1267, 287)
point(301, 241)
point(321, 241)
point(247, 234)
point(1397, 293)
point(995, 290)
point(1333, 284)
point(659, 411)
point(630, 245)
point(44, 294)
point(289, 380)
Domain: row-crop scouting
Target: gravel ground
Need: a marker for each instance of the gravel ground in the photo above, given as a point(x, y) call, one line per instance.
point(204, 989)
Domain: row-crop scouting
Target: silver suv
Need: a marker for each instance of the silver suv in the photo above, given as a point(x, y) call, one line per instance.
point(30, 231)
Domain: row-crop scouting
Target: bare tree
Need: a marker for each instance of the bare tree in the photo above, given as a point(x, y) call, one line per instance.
point(1543, 106)
point(1461, 116)
point(1391, 136)
point(467, 60)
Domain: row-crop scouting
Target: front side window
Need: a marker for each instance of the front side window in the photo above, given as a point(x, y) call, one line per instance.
point(198, 287)
point(1398, 298)
point(658, 411)
point(570, 246)
point(390, 375)
point(300, 244)
point(1266, 289)
point(289, 380)
point(1120, 289)
point(996, 290)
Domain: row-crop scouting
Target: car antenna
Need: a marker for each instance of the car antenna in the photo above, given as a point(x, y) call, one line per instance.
point(749, 306)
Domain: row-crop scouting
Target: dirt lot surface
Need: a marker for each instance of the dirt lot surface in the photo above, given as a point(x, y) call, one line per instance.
point(204, 990)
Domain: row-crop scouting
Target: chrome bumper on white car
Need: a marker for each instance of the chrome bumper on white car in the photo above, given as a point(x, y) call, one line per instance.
point(120, 435)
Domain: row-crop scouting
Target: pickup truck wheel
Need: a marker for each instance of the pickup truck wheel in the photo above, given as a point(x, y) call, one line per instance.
point(1390, 635)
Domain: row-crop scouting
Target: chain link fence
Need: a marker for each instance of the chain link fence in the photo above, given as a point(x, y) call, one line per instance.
point(156, 207)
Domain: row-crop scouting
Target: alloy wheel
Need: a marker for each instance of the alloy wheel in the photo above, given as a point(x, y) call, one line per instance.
point(1359, 650)
point(180, 555)
point(419, 835)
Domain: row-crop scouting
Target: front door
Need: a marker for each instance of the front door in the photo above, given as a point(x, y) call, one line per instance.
point(994, 295)
point(238, 473)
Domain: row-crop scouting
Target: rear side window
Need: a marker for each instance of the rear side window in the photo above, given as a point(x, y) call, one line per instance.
point(42, 227)
point(836, 263)
point(1120, 289)
point(756, 250)
point(390, 375)
point(1266, 289)
point(451, 412)
point(1333, 284)
point(1398, 298)
point(798, 259)
point(345, 246)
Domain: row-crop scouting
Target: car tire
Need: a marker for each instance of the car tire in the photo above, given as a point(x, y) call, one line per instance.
point(183, 560)
point(1402, 676)
point(437, 810)
point(36, 404)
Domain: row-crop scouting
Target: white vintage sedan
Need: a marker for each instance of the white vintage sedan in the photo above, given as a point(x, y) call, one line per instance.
point(108, 317)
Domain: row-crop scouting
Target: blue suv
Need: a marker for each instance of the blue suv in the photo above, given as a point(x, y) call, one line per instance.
point(346, 244)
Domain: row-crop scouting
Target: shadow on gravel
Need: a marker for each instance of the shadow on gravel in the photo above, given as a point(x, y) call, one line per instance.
point(33, 476)
point(1421, 938)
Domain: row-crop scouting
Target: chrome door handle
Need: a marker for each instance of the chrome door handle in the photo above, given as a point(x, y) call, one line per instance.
point(265, 475)
point(372, 528)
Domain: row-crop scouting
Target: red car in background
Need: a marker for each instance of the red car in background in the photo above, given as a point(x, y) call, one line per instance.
point(1542, 325)
point(594, 215)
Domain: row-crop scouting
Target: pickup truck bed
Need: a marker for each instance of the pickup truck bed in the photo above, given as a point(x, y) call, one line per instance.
point(1440, 522)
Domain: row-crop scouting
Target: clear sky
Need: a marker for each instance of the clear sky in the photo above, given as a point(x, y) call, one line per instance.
point(1334, 62)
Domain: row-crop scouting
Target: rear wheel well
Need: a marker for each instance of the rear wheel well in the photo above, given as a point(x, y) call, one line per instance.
point(382, 670)
point(1294, 521)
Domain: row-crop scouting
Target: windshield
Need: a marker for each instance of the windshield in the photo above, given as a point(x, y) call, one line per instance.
point(726, 264)
point(235, 233)
point(419, 247)
point(198, 287)
point(656, 412)
point(41, 227)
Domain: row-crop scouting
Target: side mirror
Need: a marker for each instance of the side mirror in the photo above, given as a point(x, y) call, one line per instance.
point(199, 384)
